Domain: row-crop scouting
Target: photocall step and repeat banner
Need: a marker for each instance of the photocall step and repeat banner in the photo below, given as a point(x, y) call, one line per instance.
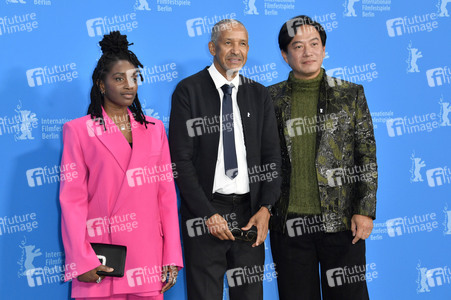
point(398, 50)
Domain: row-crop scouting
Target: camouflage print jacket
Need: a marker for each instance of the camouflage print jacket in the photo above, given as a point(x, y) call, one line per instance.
point(345, 153)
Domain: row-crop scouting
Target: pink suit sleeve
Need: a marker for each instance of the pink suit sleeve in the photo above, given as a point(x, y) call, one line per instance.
point(80, 257)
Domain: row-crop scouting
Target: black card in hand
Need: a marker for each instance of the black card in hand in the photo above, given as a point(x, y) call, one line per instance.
point(112, 256)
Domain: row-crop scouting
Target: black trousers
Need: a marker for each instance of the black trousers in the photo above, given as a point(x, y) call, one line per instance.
point(300, 257)
point(208, 259)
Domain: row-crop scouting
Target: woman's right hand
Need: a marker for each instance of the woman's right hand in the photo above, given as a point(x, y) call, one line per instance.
point(91, 276)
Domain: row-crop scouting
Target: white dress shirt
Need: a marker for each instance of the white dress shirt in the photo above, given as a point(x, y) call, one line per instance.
point(223, 184)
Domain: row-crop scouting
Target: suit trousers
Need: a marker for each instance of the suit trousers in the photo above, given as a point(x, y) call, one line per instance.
point(208, 259)
point(311, 262)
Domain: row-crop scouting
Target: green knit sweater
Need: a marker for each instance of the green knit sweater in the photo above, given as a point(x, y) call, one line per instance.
point(304, 195)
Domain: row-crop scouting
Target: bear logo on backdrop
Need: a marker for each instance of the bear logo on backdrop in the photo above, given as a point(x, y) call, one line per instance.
point(414, 55)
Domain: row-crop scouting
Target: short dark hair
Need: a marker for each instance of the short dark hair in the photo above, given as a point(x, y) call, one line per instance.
point(290, 28)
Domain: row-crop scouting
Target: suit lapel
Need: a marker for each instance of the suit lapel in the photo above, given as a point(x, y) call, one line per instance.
point(116, 143)
point(243, 104)
point(140, 151)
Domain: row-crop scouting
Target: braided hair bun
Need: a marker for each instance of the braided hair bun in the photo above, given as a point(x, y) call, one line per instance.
point(114, 42)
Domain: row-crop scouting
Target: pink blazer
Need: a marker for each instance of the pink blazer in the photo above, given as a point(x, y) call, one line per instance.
point(111, 193)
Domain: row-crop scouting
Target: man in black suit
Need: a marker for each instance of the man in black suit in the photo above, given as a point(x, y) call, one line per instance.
point(224, 143)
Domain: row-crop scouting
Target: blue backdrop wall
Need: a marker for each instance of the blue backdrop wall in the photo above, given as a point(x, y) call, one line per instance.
point(399, 51)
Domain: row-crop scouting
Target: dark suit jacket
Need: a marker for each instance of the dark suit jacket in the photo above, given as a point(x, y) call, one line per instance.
point(194, 140)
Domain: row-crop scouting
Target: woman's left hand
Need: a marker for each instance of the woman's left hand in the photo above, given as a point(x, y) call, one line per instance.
point(170, 273)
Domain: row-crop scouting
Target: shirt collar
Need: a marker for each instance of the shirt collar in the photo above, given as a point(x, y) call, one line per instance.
point(220, 80)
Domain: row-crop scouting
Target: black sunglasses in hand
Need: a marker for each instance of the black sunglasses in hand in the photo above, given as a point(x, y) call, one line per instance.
point(245, 235)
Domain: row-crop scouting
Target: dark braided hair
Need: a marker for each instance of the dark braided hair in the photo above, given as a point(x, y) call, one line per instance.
point(114, 47)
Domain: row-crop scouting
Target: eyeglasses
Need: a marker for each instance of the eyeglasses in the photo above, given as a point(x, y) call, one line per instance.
point(248, 236)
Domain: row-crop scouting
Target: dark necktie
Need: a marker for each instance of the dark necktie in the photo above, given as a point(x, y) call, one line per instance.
point(228, 136)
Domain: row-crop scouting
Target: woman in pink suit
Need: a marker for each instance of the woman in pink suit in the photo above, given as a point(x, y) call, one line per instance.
point(122, 190)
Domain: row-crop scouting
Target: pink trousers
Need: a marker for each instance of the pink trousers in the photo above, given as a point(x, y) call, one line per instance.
point(125, 297)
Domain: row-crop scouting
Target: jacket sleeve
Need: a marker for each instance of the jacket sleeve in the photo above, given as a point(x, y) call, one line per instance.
point(80, 258)
point(182, 153)
point(364, 201)
point(270, 154)
point(167, 201)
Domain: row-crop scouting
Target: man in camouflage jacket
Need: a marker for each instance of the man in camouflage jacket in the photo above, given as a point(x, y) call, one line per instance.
point(346, 174)
point(346, 143)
